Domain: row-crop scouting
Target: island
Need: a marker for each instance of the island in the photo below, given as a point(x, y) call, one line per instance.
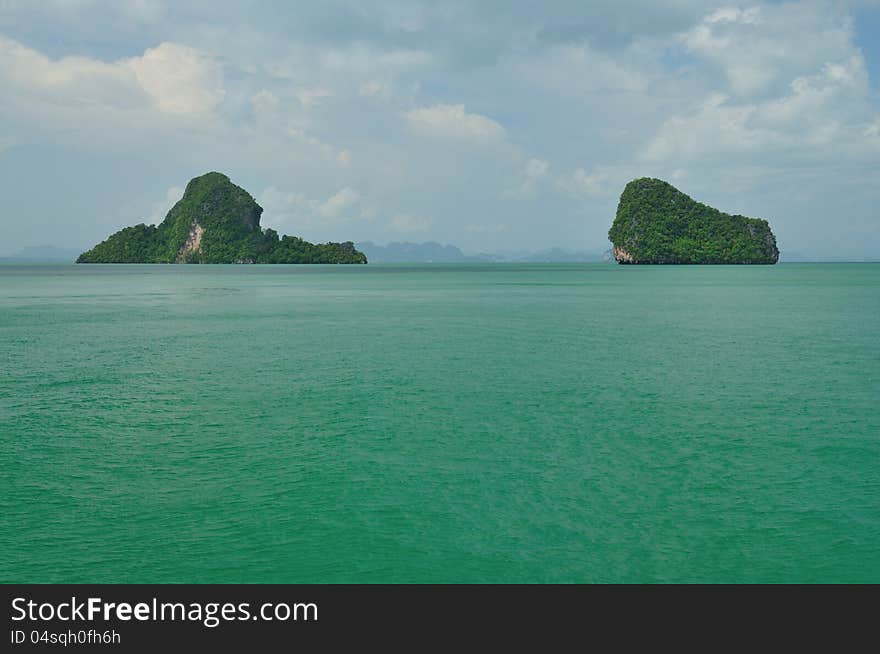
point(214, 222)
point(658, 224)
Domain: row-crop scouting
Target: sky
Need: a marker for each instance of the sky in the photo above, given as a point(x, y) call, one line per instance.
point(496, 125)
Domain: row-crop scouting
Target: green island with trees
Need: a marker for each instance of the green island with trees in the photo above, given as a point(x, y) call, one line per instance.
point(658, 224)
point(214, 222)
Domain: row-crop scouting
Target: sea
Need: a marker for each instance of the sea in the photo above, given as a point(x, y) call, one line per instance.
point(440, 423)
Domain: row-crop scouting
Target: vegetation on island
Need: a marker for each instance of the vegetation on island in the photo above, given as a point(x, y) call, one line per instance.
point(214, 222)
point(657, 223)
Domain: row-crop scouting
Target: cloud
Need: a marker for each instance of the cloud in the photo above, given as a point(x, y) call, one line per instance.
point(600, 185)
point(410, 223)
point(364, 123)
point(291, 211)
point(6, 142)
point(287, 121)
point(163, 206)
point(579, 70)
point(448, 120)
point(759, 48)
point(339, 202)
point(373, 88)
point(733, 15)
point(312, 97)
point(534, 172)
point(283, 207)
point(581, 182)
point(179, 79)
point(536, 168)
point(496, 228)
point(824, 112)
point(130, 105)
point(330, 65)
point(69, 80)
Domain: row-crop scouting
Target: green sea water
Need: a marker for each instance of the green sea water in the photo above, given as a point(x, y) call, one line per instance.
point(440, 423)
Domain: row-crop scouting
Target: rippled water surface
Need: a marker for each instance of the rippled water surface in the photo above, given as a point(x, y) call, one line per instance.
point(440, 423)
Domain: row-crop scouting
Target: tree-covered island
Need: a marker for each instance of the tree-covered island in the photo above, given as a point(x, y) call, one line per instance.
point(214, 222)
point(657, 223)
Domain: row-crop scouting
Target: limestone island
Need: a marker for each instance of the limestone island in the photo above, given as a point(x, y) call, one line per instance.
point(214, 222)
point(656, 223)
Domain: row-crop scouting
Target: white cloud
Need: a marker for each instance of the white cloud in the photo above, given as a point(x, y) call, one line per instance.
point(536, 169)
point(410, 223)
point(265, 105)
point(534, 172)
point(468, 113)
point(287, 121)
point(761, 47)
point(373, 88)
point(827, 110)
point(330, 65)
point(6, 142)
point(180, 79)
point(69, 80)
point(339, 202)
point(580, 71)
point(451, 120)
point(291, 211)
point(581, 182)
point(163, 206)
point(734, 15)
point(495, 228)
point(279, 205)
point(176, 79)
point(312, 97)
point(363, 60)
point(144, 11)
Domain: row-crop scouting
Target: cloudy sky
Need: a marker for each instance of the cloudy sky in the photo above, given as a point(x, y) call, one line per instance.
point(494, 125)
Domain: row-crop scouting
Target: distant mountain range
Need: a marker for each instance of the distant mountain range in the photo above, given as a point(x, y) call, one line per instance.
point(397, 252)
point(410, 252)
point(420, 253)
point(433, 252)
